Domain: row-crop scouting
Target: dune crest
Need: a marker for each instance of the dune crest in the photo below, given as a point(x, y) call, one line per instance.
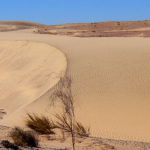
point(28, 70)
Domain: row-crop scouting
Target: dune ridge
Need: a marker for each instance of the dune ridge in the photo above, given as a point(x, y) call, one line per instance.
point(110, 82)
point(95, 29)
point(28, 70)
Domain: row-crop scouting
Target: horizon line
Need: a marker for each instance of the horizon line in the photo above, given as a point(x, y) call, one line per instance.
point(88, 22)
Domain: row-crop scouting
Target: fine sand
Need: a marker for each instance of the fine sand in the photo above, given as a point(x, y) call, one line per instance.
point(111, 81)
point(28, 70)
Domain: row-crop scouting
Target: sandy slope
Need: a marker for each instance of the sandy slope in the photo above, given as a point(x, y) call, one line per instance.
point(28, 70)
point(111, 82)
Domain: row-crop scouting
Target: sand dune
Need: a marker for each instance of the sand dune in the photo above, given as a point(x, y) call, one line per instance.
point(111, 79)
point(28, 70)
point(97, 29)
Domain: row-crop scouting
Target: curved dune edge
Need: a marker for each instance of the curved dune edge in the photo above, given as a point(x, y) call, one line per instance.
point(28, 70)
point(110, 82)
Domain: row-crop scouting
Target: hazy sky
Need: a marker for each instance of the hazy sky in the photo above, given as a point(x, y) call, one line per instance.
point(70, 11)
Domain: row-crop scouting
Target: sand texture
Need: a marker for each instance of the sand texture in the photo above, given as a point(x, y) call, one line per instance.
point(111, 80)
point(28, 70)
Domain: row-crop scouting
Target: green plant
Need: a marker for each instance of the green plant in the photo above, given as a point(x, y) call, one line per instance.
point(24, 138)
point(40, 124)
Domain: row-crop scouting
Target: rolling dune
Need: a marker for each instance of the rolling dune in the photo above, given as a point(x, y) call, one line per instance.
point(28, 70)
point(111, 82)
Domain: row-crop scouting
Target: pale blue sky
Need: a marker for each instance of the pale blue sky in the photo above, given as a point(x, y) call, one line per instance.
point(74, 11)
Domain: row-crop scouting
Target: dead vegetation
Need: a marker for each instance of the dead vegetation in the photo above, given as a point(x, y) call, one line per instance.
point(40, 124)
point(63, 93)
point(81, 130)
point(67, 120)
point(63, 123)
point(24, 138)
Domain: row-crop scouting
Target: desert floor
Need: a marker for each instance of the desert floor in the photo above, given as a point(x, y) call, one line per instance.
point(111, 81)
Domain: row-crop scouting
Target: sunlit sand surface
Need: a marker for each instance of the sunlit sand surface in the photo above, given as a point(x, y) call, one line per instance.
point(111, 81)
point(27, 71)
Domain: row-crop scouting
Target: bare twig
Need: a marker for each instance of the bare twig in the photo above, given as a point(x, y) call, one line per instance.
point(64, 94)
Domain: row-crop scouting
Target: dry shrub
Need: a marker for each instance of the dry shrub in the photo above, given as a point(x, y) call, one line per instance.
point(67, 121)
point(24, 138)
point(81, 130)
point(64, 124)
point(63, 93)
point(40, 124)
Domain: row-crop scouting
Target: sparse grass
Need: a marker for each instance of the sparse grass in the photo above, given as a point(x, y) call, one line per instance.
point(63, 93)
point(24, 138)
point(67, 121)
point(81, 130)
point(40, 124)
point(64, 124)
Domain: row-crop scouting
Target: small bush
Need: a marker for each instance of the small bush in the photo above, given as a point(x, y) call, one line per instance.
point(40, 124)
point(81, 130)
point(64, 124)
point(9, 145)
point(24, 138)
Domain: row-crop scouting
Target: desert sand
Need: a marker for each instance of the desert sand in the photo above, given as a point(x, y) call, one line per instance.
point(28, 70)
point(111, 80)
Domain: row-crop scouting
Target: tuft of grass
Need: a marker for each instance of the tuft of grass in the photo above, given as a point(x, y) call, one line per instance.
point(64, 124)
point(81, 130)
point(24, 138)
point(40, 124)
